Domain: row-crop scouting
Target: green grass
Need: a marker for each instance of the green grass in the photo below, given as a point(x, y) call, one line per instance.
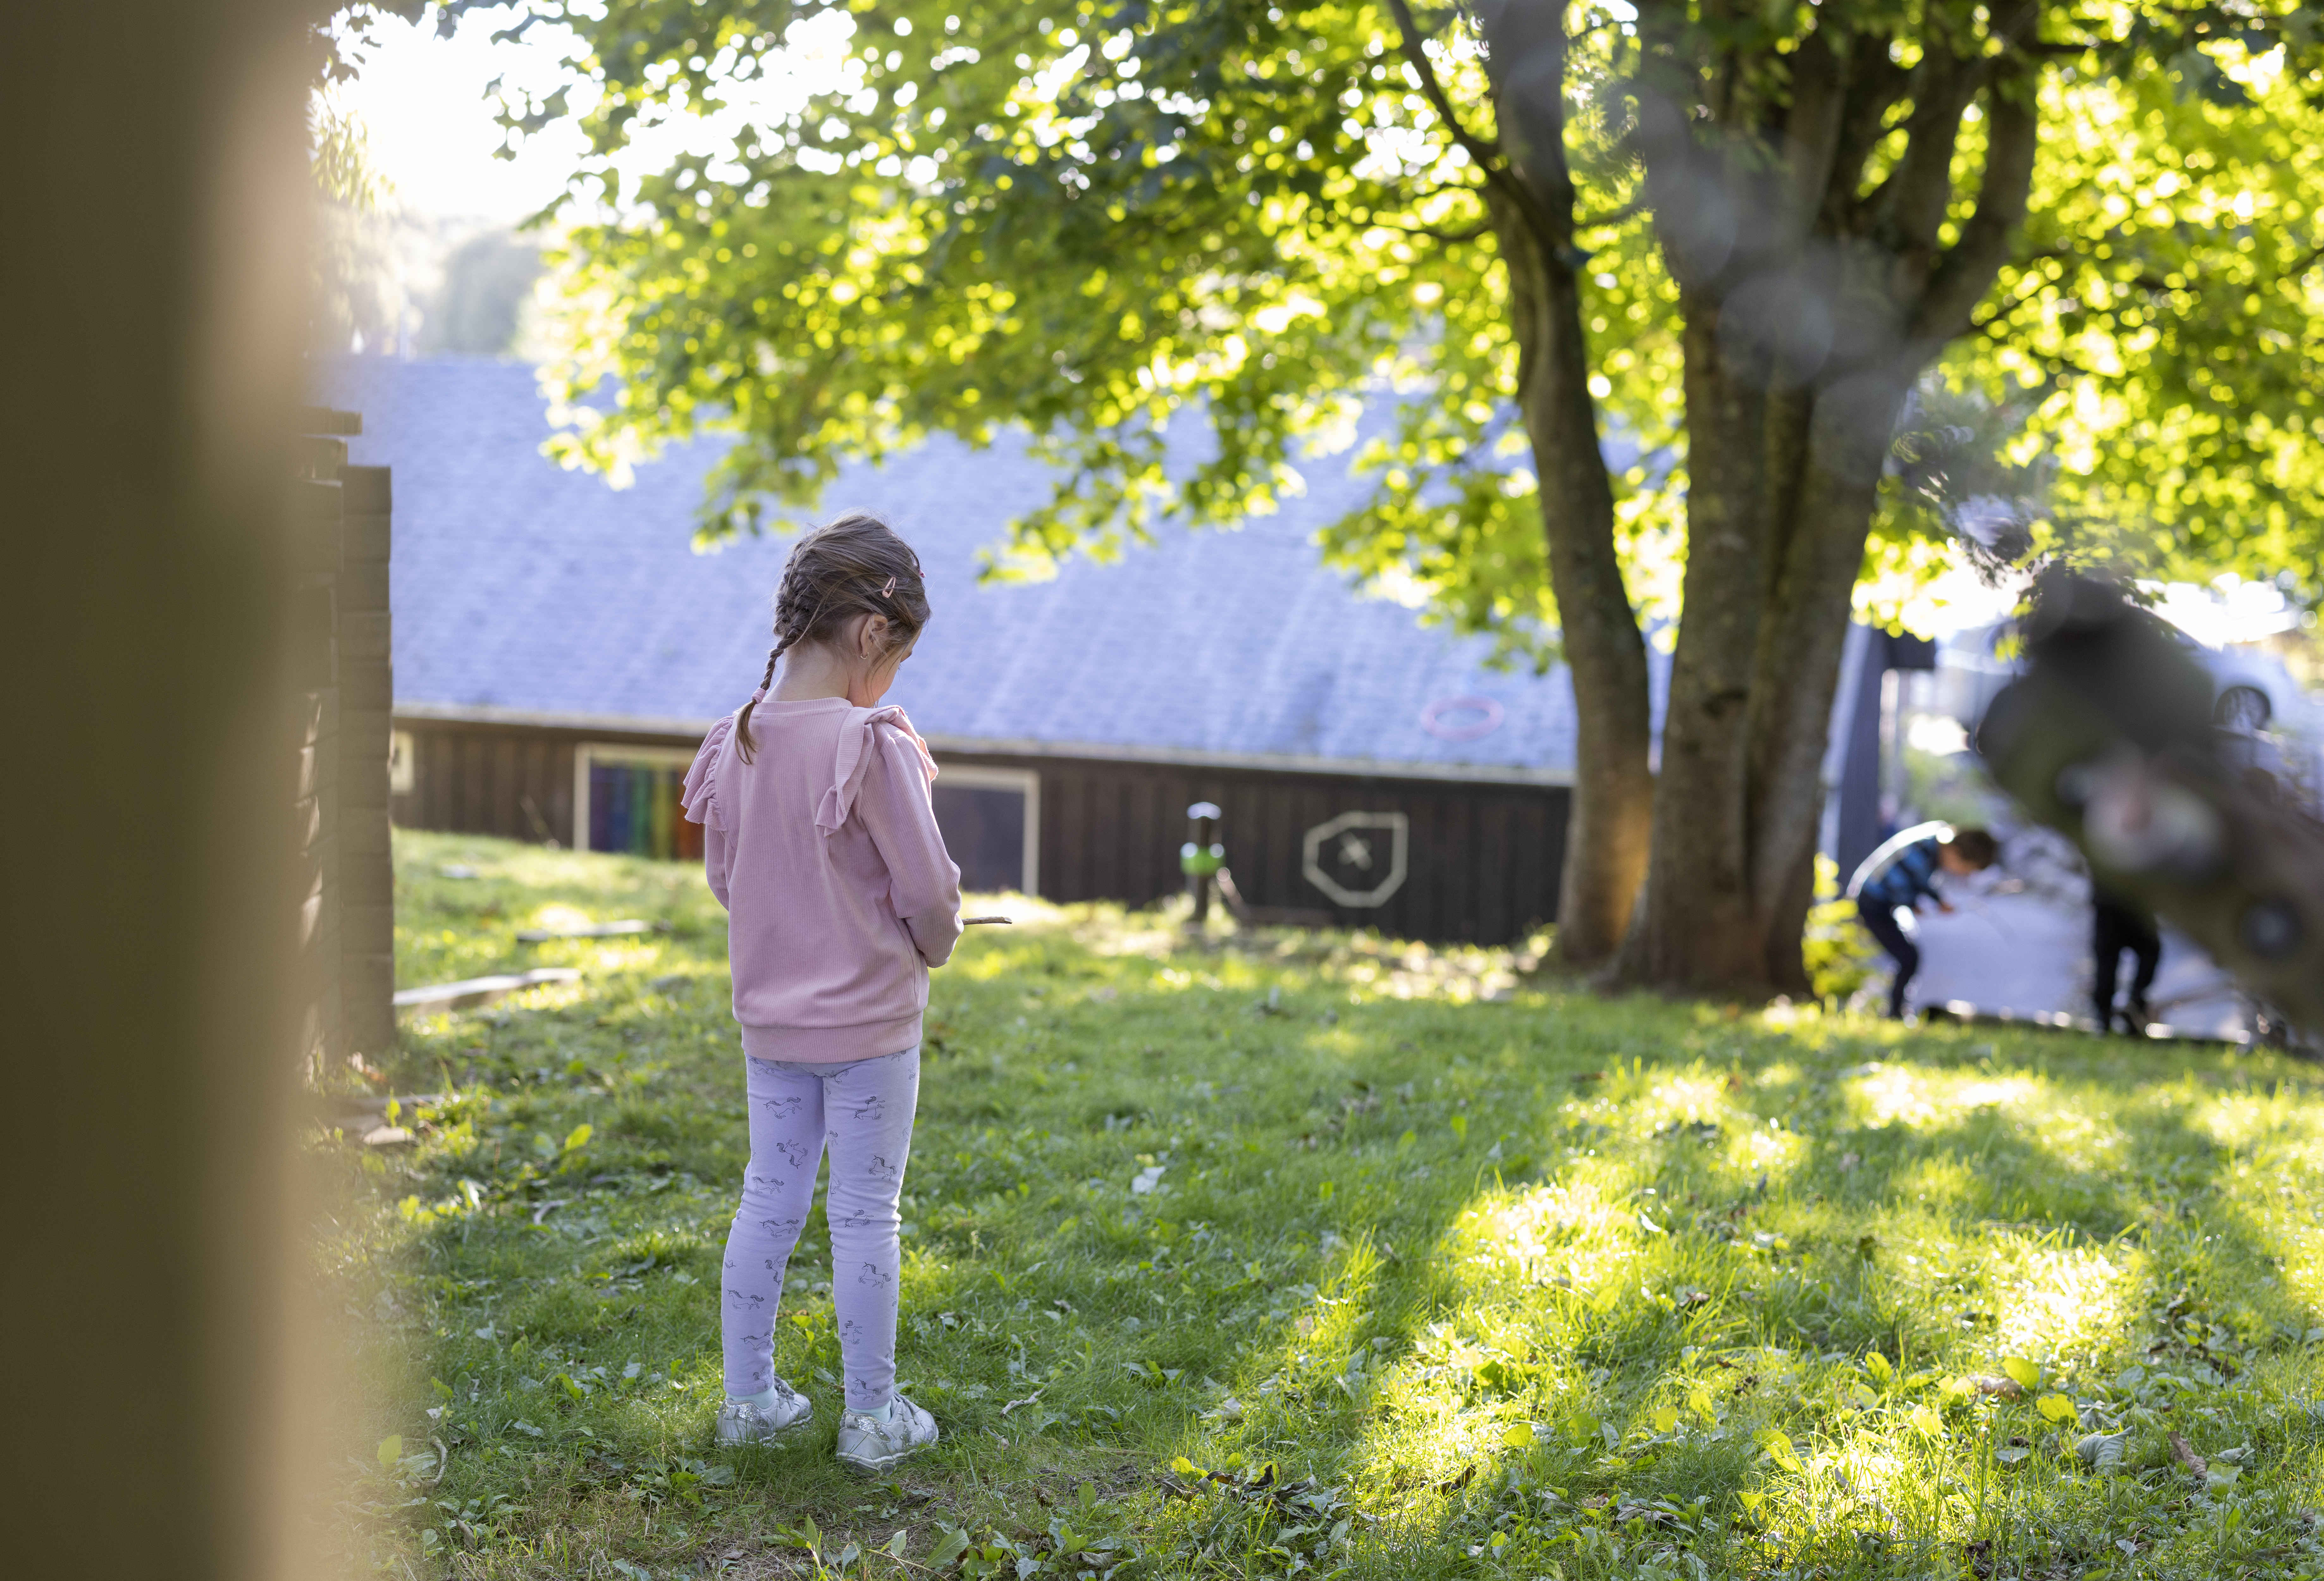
point(1449, 1272)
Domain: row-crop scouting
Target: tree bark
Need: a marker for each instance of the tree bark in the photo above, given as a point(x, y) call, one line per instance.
point(1835, 298)
point(1696, 925)
point(1608, 827)
point(1530, 198)
point(1797, 668)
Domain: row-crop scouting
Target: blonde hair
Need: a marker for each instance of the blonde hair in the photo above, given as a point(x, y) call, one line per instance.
point(854, 564)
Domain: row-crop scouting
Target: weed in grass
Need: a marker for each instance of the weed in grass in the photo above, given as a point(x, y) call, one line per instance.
point(1285, 1252)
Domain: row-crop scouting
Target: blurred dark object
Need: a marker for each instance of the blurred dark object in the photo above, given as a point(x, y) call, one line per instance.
point(2109, 738)
point(166, 1336)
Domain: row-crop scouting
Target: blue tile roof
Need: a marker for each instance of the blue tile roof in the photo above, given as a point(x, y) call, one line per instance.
point(524, 589)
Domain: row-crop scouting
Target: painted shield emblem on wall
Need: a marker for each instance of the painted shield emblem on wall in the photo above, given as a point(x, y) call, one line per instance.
point(1357, 859)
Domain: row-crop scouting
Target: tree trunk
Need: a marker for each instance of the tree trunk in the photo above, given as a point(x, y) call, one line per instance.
point(1608, 827)
point(1798, 665)
point(1696, 926)
point(1837, 295)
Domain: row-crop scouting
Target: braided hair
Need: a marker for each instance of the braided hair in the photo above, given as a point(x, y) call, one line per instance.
point(853, 566)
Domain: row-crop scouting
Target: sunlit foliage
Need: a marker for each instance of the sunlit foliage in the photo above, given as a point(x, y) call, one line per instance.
point(1091, 220)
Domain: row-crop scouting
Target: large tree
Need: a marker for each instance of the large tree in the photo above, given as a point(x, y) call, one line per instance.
point(1733, 239)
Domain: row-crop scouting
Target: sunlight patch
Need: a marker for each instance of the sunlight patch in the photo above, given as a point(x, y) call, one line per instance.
point(1774, 1151)
point(1899, 1095)
point(1568, 1235)
point(2062, 1301)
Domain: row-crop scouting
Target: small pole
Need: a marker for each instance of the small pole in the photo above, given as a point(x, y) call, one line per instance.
point(1201, 856)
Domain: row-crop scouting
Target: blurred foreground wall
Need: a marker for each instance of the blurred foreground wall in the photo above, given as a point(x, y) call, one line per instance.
point(153, 280)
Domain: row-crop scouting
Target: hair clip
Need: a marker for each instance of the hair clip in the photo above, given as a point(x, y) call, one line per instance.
point(889, 590)
point(760, 695)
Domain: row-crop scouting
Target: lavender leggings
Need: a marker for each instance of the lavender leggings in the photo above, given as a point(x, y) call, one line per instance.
point(862, 1112)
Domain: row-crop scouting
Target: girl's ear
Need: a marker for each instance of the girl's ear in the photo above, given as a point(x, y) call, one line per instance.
point(872, 637)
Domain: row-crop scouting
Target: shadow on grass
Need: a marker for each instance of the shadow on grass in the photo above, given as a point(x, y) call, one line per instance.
point(1543, 1270)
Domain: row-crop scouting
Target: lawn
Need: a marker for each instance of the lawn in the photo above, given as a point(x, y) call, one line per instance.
point(1296, 1252)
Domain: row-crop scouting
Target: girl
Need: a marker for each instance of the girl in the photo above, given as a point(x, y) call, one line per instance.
point(821, 843)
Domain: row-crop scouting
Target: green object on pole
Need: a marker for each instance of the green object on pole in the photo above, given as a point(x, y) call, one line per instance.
point(1196, 862)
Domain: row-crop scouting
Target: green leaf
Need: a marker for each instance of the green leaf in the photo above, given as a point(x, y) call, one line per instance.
point(2023, 1372)
point(578, 1136)
point(1323, 1191)
point(2057, 1407)
point(1877, 1366)
point(1460, 1125)
point(949, 1548)
point(1519, 1436)
point(390, 1451)
point(1665, 1419)
point(1404, 1144)
point(895, 1546)
point(1777, 1446)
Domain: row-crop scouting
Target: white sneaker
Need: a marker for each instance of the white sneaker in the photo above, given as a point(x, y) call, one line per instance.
point(869, 1444)
point(740, 1422)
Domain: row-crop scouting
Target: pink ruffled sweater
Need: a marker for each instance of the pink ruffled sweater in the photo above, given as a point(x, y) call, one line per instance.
point(823, 849)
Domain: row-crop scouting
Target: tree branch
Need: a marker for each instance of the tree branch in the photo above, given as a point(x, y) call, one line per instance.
point(1812, 129)
point(1471, 234)
point(1485, 151)
point(1612, 217)
point(1967, 268)
point(1874, 84)
point(1910, 209)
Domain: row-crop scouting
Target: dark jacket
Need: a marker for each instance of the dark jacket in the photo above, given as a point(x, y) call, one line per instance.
point(1909, 875)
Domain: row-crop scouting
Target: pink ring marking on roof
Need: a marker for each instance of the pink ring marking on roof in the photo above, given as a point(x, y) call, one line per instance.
point(1433, 718)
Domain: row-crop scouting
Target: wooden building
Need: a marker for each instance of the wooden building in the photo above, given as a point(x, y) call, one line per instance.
point(560, 648)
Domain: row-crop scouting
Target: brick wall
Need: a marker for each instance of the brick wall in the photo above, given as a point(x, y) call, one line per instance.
point(344, 688)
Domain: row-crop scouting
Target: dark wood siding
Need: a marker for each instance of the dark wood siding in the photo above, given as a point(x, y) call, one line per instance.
point(1482, 859)
point(496, 779)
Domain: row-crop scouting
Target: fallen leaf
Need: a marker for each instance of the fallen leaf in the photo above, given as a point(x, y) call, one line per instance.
point(1992, 1383)
point(2184, 1453)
